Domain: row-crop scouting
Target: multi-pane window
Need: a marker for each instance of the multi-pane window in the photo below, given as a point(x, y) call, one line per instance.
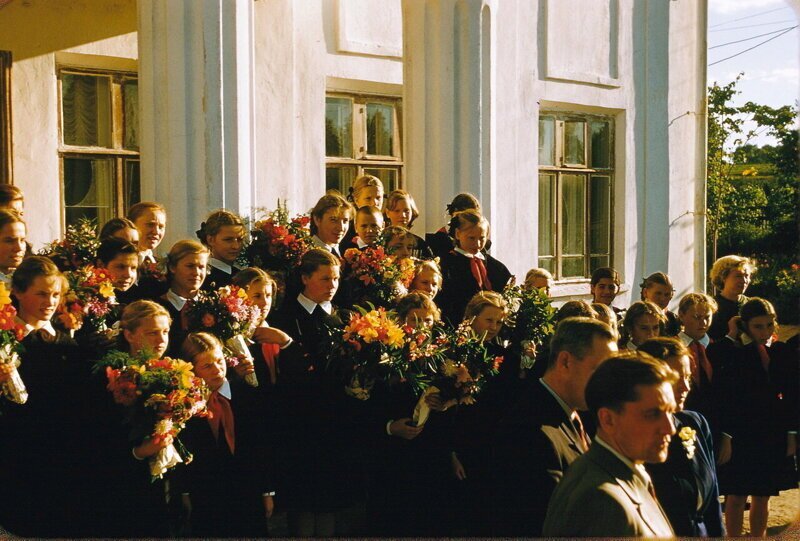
point(362, 136)
point(575, 181)
point(99, 143)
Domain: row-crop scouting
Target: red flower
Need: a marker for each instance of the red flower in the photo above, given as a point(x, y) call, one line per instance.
point(208, 320)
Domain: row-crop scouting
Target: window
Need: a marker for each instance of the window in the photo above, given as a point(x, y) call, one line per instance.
point(575, 179)
point(99, 143)
point(362, 136)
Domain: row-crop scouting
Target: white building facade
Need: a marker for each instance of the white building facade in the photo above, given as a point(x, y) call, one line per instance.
point(579, 124)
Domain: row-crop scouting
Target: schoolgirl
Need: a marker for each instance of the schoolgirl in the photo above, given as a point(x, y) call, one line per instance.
point(401, 209)
point(12, 243)
point(366, 191)
point(121, 228)
point(466, 269)
point(643, 320)
point(223, 233)
point(658, 289)
point(427, 278)
point(150, 219)
point(441, 242)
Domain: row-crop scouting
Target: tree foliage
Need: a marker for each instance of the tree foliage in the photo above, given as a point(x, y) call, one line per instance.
point(754, 217)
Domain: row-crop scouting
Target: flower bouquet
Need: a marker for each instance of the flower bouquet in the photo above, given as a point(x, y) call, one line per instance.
point(463, 365)
point(165, 394)
point(280, 241)
point(530, 320)
point(228, 314)
point(381, 278)
point(11, 333)
point(369, 348)
point(89, 301)
point(78, 248)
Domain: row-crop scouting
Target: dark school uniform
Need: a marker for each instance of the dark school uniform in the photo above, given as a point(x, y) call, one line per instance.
point(220, 274)
point(225, 485)
point(726, 310)
point(317, 464)
point(459, 285)
point(758, 409)
point(179, 329)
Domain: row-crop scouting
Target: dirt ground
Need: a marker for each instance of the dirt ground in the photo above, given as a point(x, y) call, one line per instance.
point(784, 516)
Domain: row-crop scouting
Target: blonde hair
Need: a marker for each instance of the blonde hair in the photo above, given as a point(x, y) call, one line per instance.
point(482, 300)
point(197, 343)
point(399, 195)
point(181, 249)
point(215, 222)
point(247, 276)
point(428, 264)
point(332, 200)
point(724, 265)
point(537, 272)
point(135, 312)
point(140, 208)
point(696, 299)
point(363, 182)
point(414, 301)
point(466, 218)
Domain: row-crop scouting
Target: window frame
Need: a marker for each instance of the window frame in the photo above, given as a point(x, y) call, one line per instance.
point(121, 156)
point(560, 168)
point(361, 159)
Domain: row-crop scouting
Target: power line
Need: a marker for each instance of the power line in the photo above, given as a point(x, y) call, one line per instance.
point(752, 37)
point(754, 46)
point(747, 17)
point(752, 26)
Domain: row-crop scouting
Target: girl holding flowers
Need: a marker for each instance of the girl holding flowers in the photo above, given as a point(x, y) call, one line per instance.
point(316, 460)
point(37, 498)
point(223, 233)
point(427, 278)
point(187, 263)
point(12, 243)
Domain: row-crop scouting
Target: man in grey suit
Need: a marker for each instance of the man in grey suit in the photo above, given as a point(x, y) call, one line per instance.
point(542, 434)
point(607, 491)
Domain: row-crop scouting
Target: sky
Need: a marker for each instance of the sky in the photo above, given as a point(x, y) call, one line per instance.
point(772, 70)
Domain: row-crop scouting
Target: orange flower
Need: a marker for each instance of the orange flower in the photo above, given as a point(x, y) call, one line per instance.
point(208, 320)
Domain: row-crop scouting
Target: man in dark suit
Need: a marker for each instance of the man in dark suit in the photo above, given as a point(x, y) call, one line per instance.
point(607, 492)
point(542, 434)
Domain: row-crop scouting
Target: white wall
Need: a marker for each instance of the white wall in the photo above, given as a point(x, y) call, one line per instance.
point(34, 32)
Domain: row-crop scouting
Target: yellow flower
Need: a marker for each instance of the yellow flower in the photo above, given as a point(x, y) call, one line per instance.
point(185, 371)
point(242, 294)
point(449, 368)
point(106, 290)
point(396, 336)
point(5, 295)
point(687, 433)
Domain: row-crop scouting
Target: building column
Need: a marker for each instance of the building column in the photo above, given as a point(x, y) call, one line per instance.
point(196, 108)
point(470, 122)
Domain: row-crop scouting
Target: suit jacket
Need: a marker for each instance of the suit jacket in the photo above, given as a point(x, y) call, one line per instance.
point(687, 488)
point(600, 496)
point(533, 447)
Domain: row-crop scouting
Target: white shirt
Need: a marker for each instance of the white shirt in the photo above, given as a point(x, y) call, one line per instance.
point(361, 244)
point(146, 255)
point(221, 265)
point(309, 305)
point(47, 327)
point(637, 469)
point(686, 339)
point(479, 255)
point(332, 248)
point(631, 346)
point(176, 300)
point(225, 389)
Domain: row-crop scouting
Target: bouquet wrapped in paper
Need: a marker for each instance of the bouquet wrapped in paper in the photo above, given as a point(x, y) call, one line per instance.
point(11, 333)
point(378, 278)
point(163, 395)
point(89, 301)
point(530, 320)
point(228, 314)
point(77, 249)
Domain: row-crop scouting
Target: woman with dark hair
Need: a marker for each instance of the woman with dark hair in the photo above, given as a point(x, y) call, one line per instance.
point(441, 242)
point(759, 420)
point(686, 483)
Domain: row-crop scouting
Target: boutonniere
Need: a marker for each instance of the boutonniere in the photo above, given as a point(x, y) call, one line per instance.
point(688, 437)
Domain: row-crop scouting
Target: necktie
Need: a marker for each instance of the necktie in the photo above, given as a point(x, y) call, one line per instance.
point(763, 354)
point(700, 360)
point(578, 425)
point(479, 273)
point(270, 351)
point(185, 316)
point(221, 414)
